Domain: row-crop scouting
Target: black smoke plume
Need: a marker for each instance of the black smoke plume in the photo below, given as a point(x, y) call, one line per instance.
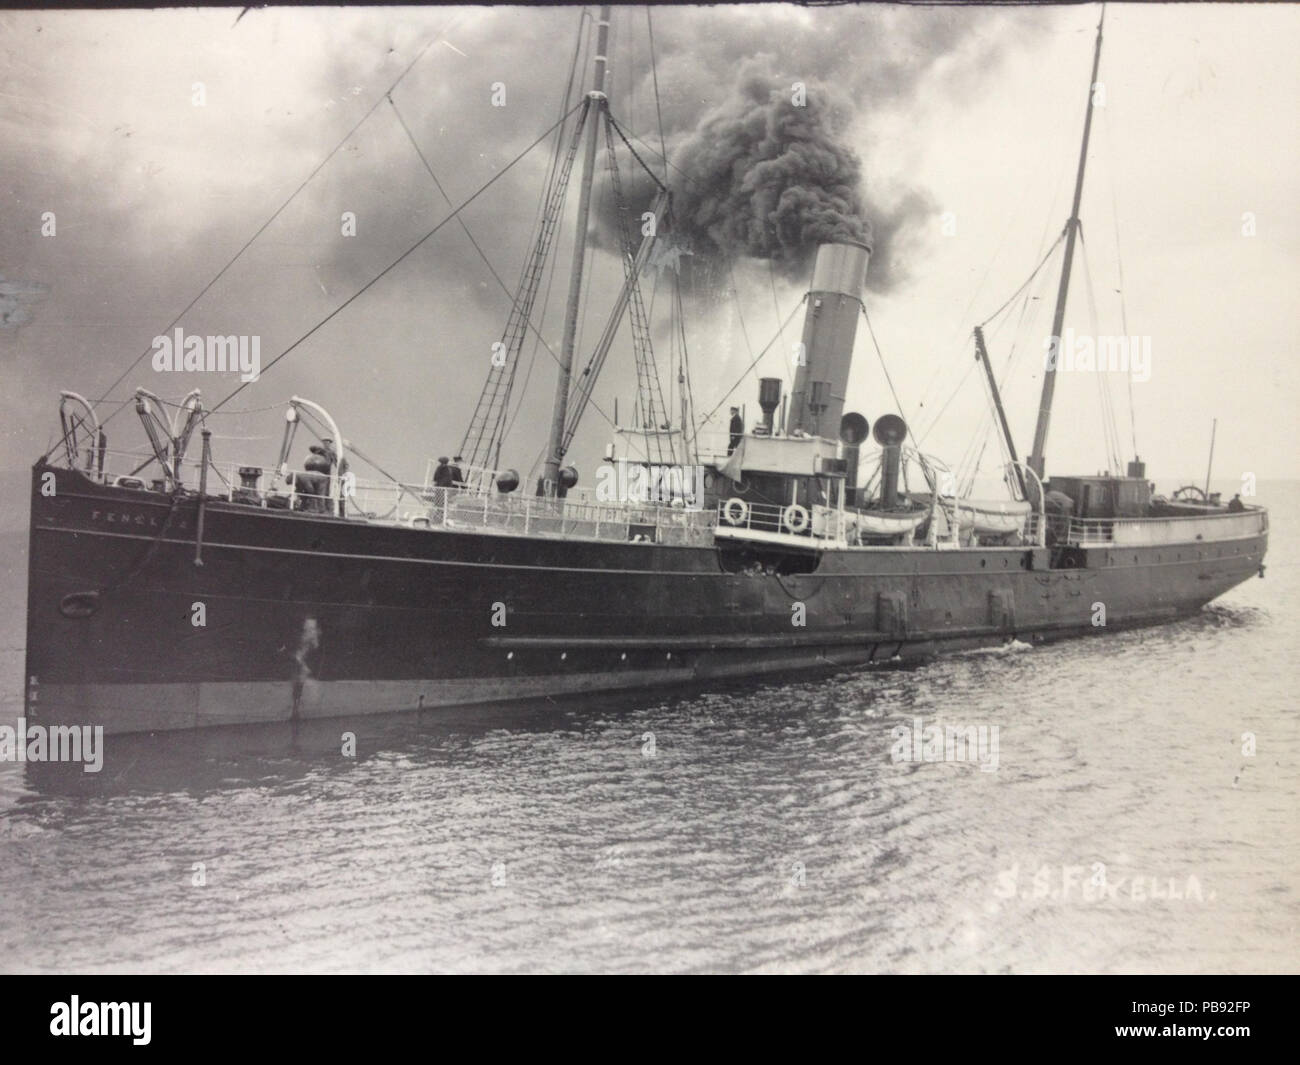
point(767, 174)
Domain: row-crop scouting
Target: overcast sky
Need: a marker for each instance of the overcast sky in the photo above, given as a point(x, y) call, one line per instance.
point(966, 123)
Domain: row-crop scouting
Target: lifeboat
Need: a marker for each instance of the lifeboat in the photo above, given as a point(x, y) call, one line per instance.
point(877, 523)
point(985, 517)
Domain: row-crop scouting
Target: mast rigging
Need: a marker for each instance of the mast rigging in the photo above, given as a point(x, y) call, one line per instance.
point(1037, 459)
point(555, 450)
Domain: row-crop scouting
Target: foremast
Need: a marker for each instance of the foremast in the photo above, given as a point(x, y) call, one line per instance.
point(563, 379)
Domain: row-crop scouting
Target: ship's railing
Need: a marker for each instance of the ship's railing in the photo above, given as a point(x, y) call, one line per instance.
point(473, 478)
point(822, 522)
point(265, 486)
point(530, 515)
point(1168, 530)
point(1035, 529)
point(827, 522)
point(377, 501)
point(708, 445)
point(136, 468)
point(258, 485)
point(482, 481)
point(756, 517)
point(579, 514)
point(676, 481)
point(713, 446)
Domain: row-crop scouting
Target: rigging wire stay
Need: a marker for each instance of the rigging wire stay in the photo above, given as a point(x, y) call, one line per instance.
point(487, 423)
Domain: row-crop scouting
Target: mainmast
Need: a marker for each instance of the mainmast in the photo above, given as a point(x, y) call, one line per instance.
point(555, 448)
point(1036, 457)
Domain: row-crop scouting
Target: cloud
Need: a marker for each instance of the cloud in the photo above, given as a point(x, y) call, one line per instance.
point(153, 195)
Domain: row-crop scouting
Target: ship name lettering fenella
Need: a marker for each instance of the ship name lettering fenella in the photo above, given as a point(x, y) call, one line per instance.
point(120, 517)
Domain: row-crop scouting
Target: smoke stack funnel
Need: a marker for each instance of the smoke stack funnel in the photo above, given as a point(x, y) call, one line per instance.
point(769, 398)
point(829, 328)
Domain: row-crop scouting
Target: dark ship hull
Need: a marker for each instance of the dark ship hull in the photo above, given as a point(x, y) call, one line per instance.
point(314, 616)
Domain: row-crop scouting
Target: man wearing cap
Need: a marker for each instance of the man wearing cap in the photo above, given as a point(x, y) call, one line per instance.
point(442, 475)
point(737, 429)
point(457, 478)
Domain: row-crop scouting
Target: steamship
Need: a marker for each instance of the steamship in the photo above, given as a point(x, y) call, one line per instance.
point(177, 593)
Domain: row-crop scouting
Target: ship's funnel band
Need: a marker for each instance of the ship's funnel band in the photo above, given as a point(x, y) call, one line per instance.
point(841, 268)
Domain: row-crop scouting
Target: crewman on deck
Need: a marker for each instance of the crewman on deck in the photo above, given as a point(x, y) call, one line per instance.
point(333, 456)
point(457, 478)
point(1235, 506)
point(737, 430)
point(442, 474)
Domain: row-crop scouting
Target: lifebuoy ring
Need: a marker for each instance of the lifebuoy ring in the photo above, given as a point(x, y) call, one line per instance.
point(735, 511)
point(795, 518)
point(414, 520)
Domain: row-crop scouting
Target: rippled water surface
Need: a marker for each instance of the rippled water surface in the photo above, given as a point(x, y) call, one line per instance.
point(736, 828)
